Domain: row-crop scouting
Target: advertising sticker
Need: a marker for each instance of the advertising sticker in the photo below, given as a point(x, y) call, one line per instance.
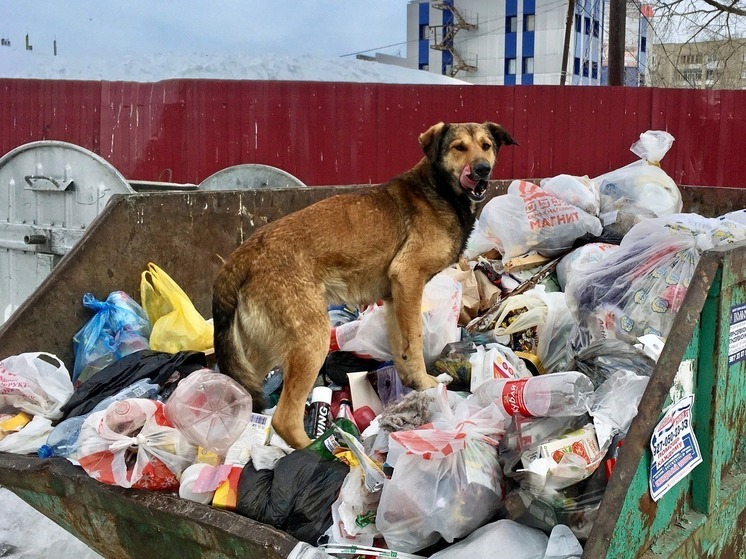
point(675, 449)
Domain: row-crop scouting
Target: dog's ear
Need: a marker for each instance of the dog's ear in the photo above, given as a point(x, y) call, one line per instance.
point(430, 139)
point(499, 135)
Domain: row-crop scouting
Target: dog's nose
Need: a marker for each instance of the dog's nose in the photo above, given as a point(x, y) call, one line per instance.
point(482, 169)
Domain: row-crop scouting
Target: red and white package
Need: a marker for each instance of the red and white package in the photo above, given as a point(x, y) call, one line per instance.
point(132, 444)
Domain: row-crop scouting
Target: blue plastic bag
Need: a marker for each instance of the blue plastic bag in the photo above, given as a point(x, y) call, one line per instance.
point(119, 327)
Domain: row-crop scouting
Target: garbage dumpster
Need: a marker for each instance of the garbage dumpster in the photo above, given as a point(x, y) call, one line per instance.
point(50, 192)
point(189, 233)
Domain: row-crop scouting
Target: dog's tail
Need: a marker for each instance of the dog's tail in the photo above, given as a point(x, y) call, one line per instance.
point(230, 352)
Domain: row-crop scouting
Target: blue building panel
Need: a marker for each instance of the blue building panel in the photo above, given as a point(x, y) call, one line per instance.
point(511, 40)
point(424, 53)
point(509, 79)
point(425, 13)
point(529, 7)
point(511, 7)
point(527, 79)
point(528, 44)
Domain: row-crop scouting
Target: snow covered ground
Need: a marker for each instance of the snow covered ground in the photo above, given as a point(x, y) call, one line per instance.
point(27, 64)
point(24, 533)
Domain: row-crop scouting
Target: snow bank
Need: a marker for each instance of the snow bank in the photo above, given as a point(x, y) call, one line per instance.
point(152, 68)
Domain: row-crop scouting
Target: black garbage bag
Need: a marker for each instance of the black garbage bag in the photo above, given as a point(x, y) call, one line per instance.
point(158, 366)
point(338, 363)
point(603, 358)
point(296, 496)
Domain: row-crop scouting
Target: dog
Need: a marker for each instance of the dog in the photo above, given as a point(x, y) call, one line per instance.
point(271, 296)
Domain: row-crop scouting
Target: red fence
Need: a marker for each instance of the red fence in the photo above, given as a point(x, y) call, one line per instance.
point(348, 133)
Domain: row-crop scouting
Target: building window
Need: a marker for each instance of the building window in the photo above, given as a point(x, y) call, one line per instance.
point(425, 67)
point(578, 23)
point(692, 76)
point(596, 28)
point(585, 69)
point(594, 70)
point(643, 44)
point(511, 24)
point(425, 32)
point(528, 65)
point(576, 66)
point(510, 66)
point(529, 22)
point(587, 25)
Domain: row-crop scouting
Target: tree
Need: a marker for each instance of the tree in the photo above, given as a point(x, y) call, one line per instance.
point(698, 43)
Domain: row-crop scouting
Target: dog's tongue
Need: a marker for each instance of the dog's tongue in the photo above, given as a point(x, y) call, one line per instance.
point(465, 180)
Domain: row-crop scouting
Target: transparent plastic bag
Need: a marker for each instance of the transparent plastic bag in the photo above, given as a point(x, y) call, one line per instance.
point(177, 325)
point(119, 327)
point(530, 219)
point(639, 288)
point(538, 323)
point(575, 262)
point(446, 483)
point(643, 182)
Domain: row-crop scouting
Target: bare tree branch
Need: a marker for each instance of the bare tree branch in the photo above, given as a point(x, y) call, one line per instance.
point(731, 8)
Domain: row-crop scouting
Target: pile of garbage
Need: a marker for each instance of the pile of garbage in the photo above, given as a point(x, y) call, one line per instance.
point(544, 337)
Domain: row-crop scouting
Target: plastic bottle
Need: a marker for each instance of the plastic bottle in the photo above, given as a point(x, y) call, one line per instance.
point(554, 394)
point(210, 409)
point(63, 439)
point(327, 442)
point(321, 411)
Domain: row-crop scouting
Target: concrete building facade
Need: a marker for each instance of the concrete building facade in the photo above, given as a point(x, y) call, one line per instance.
point(514, 42)
point(701, 65)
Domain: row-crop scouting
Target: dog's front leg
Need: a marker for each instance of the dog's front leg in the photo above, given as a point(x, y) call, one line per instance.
point(404, 324)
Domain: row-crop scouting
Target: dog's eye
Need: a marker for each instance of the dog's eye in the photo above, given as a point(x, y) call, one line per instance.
point(460, 147)
point(486, 146)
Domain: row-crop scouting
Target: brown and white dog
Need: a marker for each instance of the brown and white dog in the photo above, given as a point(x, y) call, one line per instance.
point(270, 298)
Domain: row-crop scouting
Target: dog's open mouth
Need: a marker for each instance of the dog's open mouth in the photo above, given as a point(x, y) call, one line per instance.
point(474, 187)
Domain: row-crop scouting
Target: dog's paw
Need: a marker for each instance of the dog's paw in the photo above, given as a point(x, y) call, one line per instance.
point(427, 382)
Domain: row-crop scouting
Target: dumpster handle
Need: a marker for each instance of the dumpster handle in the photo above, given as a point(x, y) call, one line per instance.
point(41, 182)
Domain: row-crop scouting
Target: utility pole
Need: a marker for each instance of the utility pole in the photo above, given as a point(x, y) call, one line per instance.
point(566, 46)
point(617, 25)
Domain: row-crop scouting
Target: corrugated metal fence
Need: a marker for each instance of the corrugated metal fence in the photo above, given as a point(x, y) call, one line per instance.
point(348, 133)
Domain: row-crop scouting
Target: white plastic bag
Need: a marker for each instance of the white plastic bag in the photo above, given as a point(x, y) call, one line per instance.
point(447, 482)
point(137, 426)
point(441, 306)
point(29, 439)
point(31, 384)
point(578, 191)
point(504, 538)
point(529, 219)
point(643, 182)
point(495, 361)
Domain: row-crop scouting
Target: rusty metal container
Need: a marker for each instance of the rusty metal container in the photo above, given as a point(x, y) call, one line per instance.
point(187, 233)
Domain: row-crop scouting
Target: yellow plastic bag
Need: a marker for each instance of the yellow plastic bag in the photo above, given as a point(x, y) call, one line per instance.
point(177, 325)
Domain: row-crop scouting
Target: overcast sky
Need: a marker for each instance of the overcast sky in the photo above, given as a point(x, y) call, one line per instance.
point(131, 27)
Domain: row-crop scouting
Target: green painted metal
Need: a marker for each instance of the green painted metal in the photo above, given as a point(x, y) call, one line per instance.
point(703, 516)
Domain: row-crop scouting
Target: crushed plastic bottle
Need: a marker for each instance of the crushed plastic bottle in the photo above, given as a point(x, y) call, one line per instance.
point(210, 409)
point(554, 394)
